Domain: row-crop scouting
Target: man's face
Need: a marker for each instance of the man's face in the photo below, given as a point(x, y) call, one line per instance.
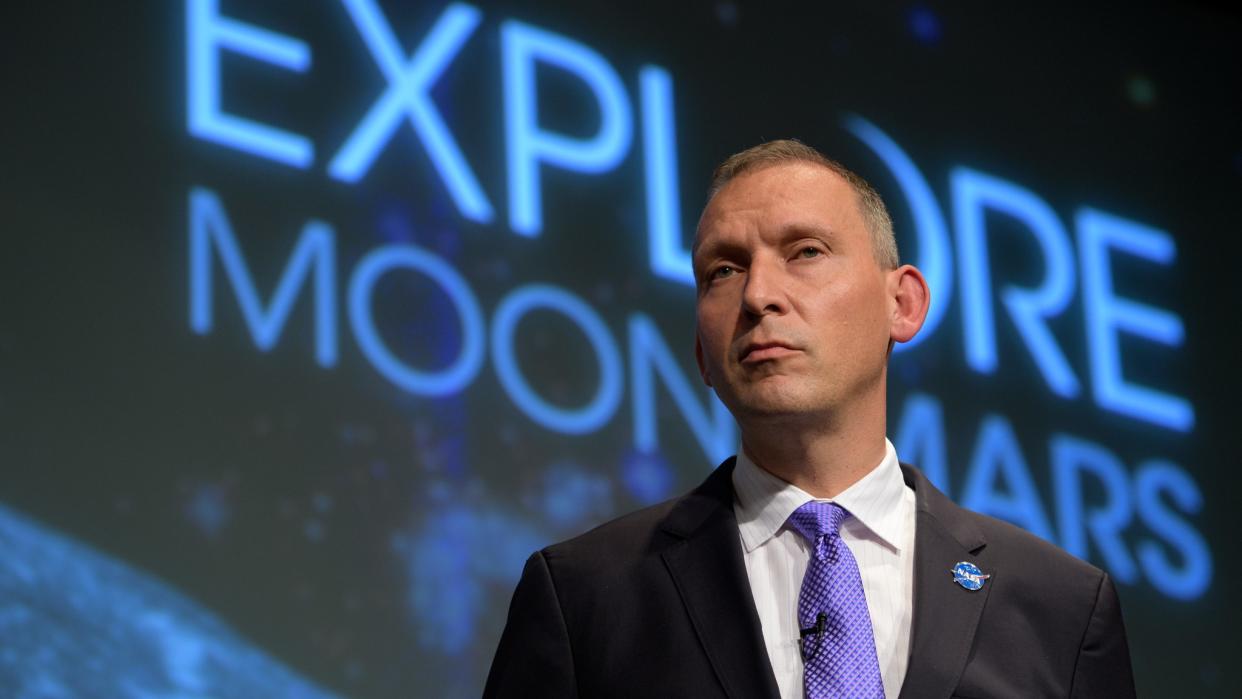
point(793, 316)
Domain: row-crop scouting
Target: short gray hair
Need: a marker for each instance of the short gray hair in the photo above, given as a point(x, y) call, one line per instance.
point(874, 214)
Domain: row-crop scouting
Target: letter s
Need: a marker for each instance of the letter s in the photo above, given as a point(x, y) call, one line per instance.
point(1192, 578)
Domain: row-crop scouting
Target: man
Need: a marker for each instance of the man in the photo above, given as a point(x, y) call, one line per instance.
point(812, 564)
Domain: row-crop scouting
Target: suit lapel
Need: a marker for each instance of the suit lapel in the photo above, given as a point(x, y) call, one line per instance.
point(945, 614)
point(707, 568)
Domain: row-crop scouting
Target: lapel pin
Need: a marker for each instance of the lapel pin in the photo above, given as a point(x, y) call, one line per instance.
point(968, 575)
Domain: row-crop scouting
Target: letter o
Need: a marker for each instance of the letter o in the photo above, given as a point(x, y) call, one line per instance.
point(602, 405)
point(429, 383)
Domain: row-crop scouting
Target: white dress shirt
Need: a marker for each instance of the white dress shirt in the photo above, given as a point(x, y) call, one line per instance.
point(880, 534)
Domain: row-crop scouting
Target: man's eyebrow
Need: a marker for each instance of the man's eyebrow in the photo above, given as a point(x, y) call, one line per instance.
point(715, 248)
point(804, 229)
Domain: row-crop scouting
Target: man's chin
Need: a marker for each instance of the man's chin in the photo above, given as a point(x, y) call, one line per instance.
point(774, 405)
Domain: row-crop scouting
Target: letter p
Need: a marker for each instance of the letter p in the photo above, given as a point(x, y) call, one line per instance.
point(527, 145)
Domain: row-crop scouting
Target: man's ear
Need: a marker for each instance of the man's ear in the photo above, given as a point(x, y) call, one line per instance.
point(910, 298)
point(698, 357)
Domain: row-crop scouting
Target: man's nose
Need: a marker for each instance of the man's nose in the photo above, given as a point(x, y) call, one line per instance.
point(764, 291)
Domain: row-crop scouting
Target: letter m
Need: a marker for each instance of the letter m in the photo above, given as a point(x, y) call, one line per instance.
point(210, 230)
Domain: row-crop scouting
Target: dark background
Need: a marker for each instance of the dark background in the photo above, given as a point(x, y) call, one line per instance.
point(368, 539)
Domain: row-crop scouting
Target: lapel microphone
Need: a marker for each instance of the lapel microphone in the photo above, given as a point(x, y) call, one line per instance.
point(821, 620)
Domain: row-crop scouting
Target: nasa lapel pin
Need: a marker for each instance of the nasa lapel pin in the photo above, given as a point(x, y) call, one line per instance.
point(968, 575)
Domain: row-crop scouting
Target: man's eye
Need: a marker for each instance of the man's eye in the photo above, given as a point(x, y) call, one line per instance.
point(809, 252)
point(722, 272)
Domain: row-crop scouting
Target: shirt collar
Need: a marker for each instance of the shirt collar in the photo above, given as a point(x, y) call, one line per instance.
point(765, 501)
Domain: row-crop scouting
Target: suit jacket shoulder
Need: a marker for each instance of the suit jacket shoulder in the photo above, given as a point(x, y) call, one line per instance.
point(1044, 623)
point(655, 603)
point(616, 543)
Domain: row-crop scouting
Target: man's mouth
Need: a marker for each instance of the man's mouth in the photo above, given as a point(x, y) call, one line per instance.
point(757, 352)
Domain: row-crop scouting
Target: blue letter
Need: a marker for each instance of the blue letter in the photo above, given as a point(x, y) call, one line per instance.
point(1106, 314)
point(1193, 578)
point(1070, 457)
point(921, 432)
point(669, 258)
point(715, 433)
point(464, 367)
point(602, 405)
point(935, 250)
point(206, 33)
point(996, 452)
point(408, 84)
point(208, 224)
point(973, 193)
point(528, 145)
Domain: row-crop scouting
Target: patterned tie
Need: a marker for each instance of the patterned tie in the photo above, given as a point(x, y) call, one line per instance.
point(840, 662)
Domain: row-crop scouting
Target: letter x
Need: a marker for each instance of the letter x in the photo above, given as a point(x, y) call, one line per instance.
point(407, 94)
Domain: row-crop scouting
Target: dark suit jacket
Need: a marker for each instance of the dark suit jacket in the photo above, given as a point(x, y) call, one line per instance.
point(658, 604)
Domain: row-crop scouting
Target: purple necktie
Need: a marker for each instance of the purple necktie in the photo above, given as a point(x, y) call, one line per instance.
point(841, 661)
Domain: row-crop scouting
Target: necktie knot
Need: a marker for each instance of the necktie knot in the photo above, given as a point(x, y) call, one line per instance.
point(816, 519)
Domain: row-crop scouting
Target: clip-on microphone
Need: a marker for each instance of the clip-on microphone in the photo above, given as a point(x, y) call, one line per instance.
point(821, 620)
